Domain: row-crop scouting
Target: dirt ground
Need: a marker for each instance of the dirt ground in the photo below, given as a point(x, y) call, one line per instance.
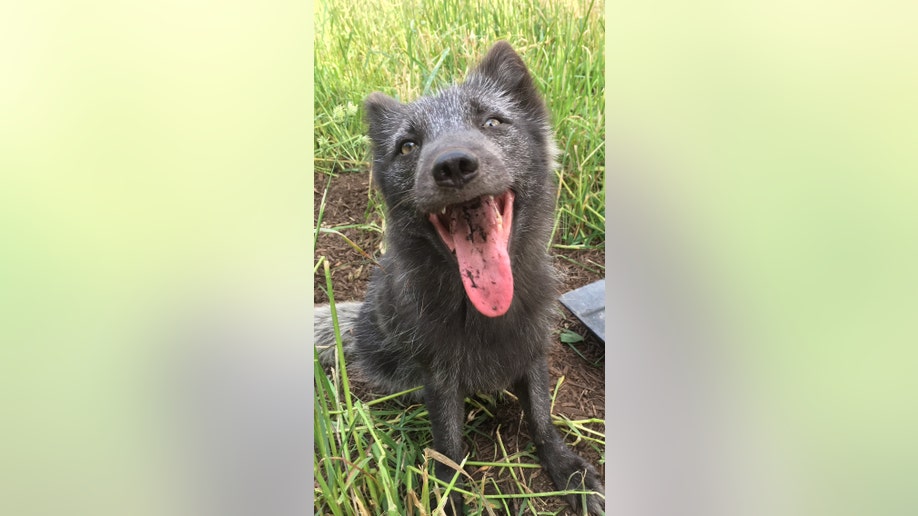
point(582, 394)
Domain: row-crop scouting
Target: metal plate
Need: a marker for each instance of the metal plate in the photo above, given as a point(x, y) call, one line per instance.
point(588, 303)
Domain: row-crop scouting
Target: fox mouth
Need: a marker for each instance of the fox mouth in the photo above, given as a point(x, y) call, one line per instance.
point(478, 233)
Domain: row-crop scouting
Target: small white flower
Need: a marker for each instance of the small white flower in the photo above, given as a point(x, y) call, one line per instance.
point(338, 113)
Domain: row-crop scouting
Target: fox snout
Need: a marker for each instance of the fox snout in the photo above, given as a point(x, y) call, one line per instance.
point(458, 167)
point(454, 167)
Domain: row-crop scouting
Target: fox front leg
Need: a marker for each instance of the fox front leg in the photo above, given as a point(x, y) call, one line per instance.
point(445, 406)
point(567, 469)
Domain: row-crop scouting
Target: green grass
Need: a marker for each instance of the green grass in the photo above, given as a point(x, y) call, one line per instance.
point(408, 49)
point(372, 457)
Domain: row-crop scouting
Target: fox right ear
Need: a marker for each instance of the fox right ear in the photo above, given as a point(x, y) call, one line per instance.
point(380, 108)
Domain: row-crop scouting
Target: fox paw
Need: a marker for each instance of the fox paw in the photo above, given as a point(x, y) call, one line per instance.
point(576, 474)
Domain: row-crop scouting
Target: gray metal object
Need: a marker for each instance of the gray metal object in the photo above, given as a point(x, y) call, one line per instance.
point(588, 303)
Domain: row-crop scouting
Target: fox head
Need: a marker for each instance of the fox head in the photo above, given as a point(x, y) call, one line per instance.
point(461, 165)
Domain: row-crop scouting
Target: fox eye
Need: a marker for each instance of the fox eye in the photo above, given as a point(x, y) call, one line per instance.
point(407, 147)
point(492, 122)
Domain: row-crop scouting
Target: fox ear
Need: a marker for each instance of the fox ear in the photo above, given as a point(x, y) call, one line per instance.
point(503, 67)
point(381, 112)
point(380, 106)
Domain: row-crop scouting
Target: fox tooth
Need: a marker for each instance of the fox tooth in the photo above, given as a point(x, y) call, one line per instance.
point(443, 210)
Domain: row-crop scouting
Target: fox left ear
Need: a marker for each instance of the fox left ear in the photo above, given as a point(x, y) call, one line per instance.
point(505, 68)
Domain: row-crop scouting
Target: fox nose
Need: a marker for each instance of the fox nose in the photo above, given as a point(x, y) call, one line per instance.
point(454, 168)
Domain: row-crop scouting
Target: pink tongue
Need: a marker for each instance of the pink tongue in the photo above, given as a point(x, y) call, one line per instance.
point(480, 241)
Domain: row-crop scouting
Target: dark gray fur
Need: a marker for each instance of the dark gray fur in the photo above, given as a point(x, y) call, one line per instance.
point(417, 325)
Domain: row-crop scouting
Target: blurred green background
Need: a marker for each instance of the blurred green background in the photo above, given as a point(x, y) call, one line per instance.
point(780, 139)
point(156, 153)
point(154, 162)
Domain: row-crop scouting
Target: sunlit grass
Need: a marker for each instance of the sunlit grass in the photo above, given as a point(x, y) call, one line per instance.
point(408, 49)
